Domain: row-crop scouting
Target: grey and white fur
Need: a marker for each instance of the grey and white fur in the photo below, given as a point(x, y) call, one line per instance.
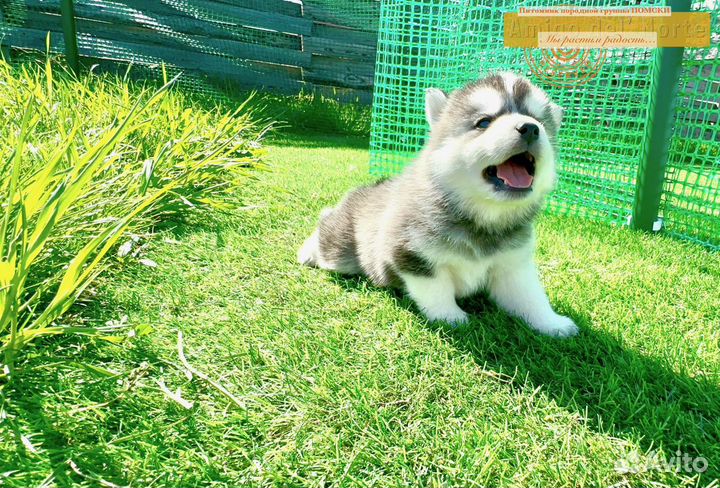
point(460, 218)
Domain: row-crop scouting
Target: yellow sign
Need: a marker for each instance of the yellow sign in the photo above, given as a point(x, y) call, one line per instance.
point(679, 29)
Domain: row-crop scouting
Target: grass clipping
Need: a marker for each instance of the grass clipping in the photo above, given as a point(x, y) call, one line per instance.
point(83, 163)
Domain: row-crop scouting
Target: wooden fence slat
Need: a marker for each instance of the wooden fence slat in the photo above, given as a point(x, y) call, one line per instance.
point(159, 16)
point(339, 71)
point(200, 44)
point(343, 34)
point(254, 18)
point(251, 74)
point(187, 24)
point(285, 7)
point(337, 17)
point(333, 48)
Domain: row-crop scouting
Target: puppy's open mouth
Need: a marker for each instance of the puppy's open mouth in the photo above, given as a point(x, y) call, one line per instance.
point(515, 174)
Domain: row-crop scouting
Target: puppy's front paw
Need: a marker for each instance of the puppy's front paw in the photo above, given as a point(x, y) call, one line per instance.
point(558, 326)
point(453, 315)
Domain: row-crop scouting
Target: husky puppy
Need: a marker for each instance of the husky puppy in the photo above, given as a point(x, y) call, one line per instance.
point(459, 219)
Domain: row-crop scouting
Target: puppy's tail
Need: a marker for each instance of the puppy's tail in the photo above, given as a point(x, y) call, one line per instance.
point(309, 253)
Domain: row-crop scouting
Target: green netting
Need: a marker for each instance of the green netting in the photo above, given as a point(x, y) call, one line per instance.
point(691, 201)
point(449, 43)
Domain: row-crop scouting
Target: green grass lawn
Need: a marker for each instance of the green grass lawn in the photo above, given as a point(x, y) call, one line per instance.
point(344, 384)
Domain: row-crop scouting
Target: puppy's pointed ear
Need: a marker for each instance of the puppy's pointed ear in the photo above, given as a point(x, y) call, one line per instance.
point(556, 111)
point(435, 101)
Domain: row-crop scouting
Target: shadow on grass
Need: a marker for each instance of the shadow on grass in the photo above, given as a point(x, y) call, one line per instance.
point(82, 419)
point(62, 401)
point(78, 417)
point(621, 392)
point(316, 140)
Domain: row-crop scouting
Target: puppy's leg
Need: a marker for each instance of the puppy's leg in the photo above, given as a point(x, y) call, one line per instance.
point(435, 295)
point(516, 287)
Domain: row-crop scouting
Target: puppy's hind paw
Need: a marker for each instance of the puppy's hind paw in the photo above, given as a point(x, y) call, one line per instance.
point(559, 326)
point(308, 253)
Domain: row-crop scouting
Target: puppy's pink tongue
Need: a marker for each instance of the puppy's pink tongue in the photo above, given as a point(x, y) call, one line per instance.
point(514, 175)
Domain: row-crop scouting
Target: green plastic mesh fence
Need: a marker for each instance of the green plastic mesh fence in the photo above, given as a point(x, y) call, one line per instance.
point(691, 200)
point(449, 43)
point(286, 46)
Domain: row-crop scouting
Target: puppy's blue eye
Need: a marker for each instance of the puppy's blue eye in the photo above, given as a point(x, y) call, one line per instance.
point(483, 123)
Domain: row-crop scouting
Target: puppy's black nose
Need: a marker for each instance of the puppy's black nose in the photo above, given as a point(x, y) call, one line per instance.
point(529, 132)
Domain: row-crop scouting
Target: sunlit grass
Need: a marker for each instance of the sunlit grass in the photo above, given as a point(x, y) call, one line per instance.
point(345, 384)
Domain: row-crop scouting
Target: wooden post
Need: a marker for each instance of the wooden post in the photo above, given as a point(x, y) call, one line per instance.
point(70, 33)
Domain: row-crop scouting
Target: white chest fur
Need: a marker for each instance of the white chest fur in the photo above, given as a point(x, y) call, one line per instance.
point(468, 276)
